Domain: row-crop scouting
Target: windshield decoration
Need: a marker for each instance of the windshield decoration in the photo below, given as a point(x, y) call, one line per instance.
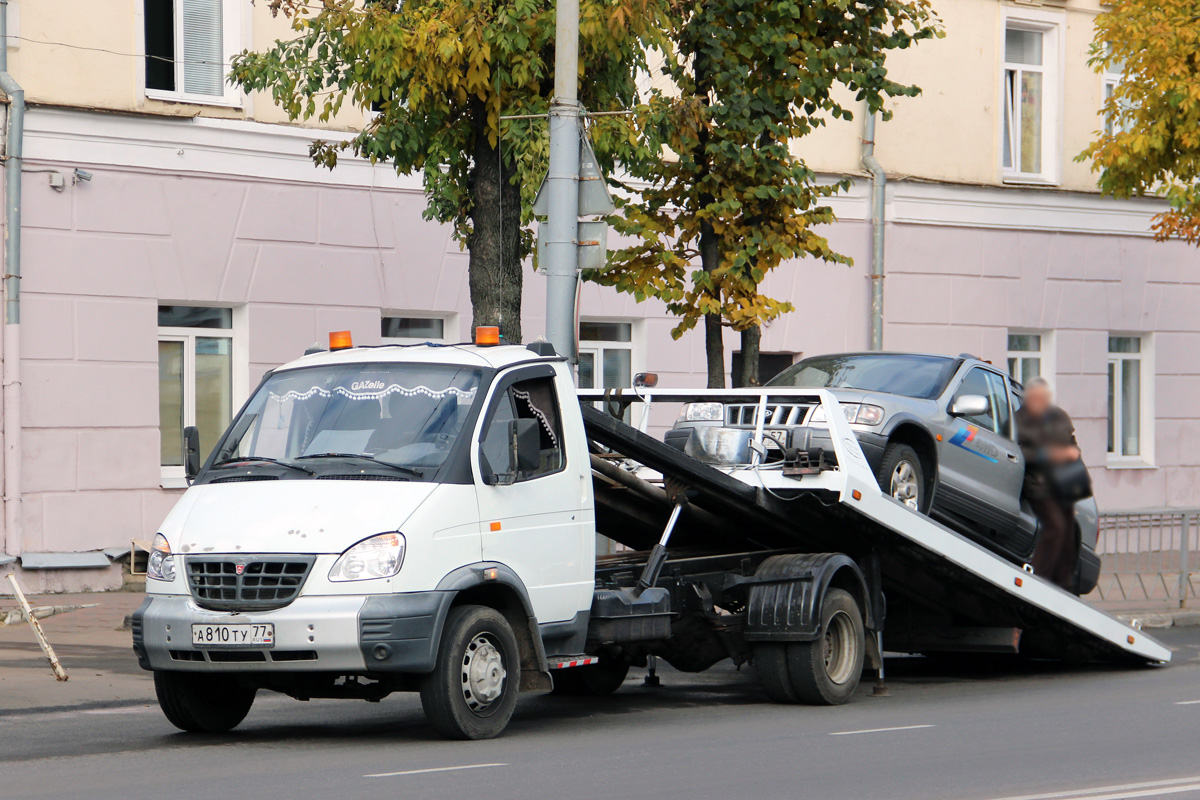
point(374, 390)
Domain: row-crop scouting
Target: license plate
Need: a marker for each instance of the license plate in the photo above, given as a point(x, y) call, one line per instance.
point(233, 635)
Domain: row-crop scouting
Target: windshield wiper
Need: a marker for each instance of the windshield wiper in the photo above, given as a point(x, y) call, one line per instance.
point(263, 460)
point(366, 457)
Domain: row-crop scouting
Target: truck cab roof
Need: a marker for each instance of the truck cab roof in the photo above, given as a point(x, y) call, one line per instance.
point(467, 355)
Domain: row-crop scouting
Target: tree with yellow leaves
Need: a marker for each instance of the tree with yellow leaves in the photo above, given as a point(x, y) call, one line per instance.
point(441, 74)
point(1151, 142)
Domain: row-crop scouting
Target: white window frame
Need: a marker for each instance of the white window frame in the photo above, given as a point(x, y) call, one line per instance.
point(1052, 28)
point(1046, 353)
point(236, 15)
point(1108, 85)
point(1146, 382)
point(449, 328)
point(635, 346)
point(174, 477)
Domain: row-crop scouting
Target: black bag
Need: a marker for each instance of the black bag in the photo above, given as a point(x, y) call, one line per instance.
point(1070, 481)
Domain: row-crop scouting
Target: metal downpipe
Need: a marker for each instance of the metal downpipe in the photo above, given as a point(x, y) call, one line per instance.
point(13, 150)
point(878, 185)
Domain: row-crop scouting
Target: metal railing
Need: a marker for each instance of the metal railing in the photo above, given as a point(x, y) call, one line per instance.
point(1149, 556)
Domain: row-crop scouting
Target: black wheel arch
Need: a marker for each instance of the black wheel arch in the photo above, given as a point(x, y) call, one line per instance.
point(506, 593)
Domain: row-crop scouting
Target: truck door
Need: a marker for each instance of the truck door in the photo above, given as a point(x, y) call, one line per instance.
point(981, 465)
point(536, 521)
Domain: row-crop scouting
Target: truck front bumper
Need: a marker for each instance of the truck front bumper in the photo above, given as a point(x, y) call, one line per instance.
point(341, 634)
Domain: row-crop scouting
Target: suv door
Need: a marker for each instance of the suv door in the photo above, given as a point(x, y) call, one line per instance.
point(533, 521)
point(981, 468)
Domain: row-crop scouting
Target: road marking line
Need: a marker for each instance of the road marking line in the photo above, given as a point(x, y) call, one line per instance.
point(1188, 703)
point(1143, 789)
point(882, 730)
point(433, 769)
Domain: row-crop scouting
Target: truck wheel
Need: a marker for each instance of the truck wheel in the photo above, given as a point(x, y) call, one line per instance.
point(596, 680)
point(201, 703)
point(902, 478)
point(472, 690)
point(825, 672)
point(772, 664)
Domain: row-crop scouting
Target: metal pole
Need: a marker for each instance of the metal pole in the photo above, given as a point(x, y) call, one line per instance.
point(878, 184)
point(562, 184)
point(1185, 582)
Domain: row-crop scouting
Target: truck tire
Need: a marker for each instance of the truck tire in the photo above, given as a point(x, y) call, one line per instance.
point(772, 664)
point(595, 681)
point(902, 477)
point(201, 703)
point(472, 690)
point(826, 672)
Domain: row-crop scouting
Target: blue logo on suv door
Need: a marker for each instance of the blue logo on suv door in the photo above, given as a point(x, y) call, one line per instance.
point(966, 436)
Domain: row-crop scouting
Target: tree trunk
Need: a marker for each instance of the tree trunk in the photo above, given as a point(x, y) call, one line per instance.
point(714, 346)
point(494, 271)
point(751, 339)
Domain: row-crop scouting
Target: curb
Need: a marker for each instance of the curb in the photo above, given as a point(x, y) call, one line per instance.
point(1160, 619)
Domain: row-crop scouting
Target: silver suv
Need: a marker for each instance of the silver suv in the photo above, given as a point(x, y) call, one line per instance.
point(939, 432)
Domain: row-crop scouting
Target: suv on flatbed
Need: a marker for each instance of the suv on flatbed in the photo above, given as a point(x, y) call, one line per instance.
point(938, 431)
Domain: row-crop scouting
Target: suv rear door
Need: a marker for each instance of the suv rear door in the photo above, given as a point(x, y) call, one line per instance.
point(981, 469)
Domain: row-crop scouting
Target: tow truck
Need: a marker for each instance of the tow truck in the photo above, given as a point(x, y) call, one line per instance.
point(425, 517)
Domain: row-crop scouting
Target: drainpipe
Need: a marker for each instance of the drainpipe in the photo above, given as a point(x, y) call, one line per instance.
point(11, 378)
point(878, 184)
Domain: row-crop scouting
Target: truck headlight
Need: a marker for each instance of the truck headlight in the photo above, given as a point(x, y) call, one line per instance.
point(377, 557)
point(160, 565)
point(860, 413)
point(702, 412)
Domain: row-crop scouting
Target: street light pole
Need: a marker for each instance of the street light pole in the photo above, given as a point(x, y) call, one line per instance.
point(562, 184)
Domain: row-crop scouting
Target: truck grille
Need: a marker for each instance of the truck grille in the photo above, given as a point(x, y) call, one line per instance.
point(245, 583)
point(777, 414)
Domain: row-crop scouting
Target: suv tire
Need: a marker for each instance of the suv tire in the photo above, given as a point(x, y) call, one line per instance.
point(901, 476)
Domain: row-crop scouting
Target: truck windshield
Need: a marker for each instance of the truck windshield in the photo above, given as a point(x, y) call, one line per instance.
point(892, 373)
point(404, 416)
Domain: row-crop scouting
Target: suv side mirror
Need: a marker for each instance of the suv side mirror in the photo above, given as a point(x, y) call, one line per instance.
point(525, 445)
point(970, 405)
point(191, 452)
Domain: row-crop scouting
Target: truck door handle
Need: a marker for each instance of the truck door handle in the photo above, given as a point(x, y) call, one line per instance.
point(1012, 457)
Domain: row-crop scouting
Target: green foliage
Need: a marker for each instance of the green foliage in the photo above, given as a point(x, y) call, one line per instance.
point(751, 76)
point(442, 73)
point(1151, 144)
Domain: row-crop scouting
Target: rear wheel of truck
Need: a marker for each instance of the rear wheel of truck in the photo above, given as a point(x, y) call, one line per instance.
point(826, 671)
point(472, 690)
point(201, 703)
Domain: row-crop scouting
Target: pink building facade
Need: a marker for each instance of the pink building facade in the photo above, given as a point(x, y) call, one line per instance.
point(192, 213)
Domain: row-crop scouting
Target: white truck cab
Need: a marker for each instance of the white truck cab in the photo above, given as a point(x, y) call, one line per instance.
point(357, 495)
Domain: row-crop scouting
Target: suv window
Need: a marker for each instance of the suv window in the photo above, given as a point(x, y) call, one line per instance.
point(990, 385)
point(531, 399)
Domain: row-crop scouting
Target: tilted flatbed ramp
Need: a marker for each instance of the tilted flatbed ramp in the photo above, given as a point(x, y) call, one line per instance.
point(943, 591)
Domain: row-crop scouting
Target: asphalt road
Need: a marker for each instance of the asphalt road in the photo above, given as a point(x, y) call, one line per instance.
point(948, 730)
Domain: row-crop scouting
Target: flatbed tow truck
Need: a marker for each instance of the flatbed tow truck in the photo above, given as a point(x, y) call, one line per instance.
point(314, 558)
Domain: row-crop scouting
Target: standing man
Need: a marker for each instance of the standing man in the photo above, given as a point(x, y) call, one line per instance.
point(1047, 438)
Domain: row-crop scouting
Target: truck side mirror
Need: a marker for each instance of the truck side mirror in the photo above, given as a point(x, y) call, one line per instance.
point(525, 443)
point(191, 452)
point(970, 405)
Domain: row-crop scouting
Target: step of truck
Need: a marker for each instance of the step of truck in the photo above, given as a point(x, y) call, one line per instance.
point(567, 662)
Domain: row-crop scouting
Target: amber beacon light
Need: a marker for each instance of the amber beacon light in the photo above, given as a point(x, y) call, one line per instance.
point(340, 340)
point(487, 335)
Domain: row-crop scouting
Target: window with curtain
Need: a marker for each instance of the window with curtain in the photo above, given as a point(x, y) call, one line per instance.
point(195, 379)
point(188, 44)
point(1026, 356)
point(1024, 100)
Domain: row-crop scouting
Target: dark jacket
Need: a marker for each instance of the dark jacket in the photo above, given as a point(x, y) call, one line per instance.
point(1036, 435)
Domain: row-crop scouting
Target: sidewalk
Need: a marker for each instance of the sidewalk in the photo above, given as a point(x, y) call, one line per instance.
point(97, 655)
